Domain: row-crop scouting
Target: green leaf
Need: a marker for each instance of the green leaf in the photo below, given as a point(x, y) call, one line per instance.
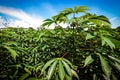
point(88, 60)
point(76, 9)
point(75, 74)
point(67, 61)
point(67, 11)
point(103, 42)
point(113, 58)
point(89, 36)
point(115, 41)
point(105, 66)
point(83, 9)
point(61, 71)
point(47, 65)
point(16, 72)
point(108, 41)
point(39, 67)
point(24, 76)
point(99, 22)
point(27, 70)
point(114, 77)
point(68, 70)
point(52, 69)
point(48, 20)
point(94, 77)
point(13, 53)
point(47, 24)
point(117, 66)
point(3, 76)
point(32, 78)
point(57, 77)
point(68, 77)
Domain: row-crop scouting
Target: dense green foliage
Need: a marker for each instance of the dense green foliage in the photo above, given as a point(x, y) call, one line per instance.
point(88, 49)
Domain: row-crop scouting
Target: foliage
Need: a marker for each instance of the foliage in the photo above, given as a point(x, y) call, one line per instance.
point(88, 48)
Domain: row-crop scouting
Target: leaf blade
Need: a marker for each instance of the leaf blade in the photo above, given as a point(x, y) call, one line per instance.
point(61, 71)
point(52, 69)
point(66, 66)
point(13, 53)
point(88, 60)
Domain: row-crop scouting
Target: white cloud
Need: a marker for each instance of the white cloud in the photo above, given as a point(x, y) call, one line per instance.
point(115, 22)
point(24, 18)
point(113, 18)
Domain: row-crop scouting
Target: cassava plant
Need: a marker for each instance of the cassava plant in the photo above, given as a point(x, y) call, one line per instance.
point(88, 48)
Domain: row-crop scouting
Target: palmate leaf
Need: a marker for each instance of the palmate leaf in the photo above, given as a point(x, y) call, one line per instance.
point(13, 53)
point(47, 65)
point(60, 67)
point(107, 41)
point(99, 22)
point(88, 60)
point(105, 66)
point(47, 22)
point(115, 41)
point(102, 18)
point(82, 9)
point(67, 11)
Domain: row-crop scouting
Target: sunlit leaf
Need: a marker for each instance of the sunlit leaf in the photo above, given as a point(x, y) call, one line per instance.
point(52, 69)
point(108, 41)
point(24, 76)
point(27, 70)
point(75, 74)
point(61, 71)
point(13, 52)
point(88, 60)
point(68, 62)
point(67, 68)
point(89, 36)
point(47, 64)
point(113, 58)
point(105, 67)
point(68, 77)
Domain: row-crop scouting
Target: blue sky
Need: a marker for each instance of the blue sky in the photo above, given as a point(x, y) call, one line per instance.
point(32, 12)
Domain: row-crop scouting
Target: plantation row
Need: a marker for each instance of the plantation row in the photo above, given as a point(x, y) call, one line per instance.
point(87, 49)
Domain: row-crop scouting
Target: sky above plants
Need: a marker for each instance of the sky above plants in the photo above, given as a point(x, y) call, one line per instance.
point(31, 13)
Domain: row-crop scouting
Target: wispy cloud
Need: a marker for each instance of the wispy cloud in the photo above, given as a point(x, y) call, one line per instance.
point(49, 8)
point(24, 18)
point(115, 22)
point(113, 18)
